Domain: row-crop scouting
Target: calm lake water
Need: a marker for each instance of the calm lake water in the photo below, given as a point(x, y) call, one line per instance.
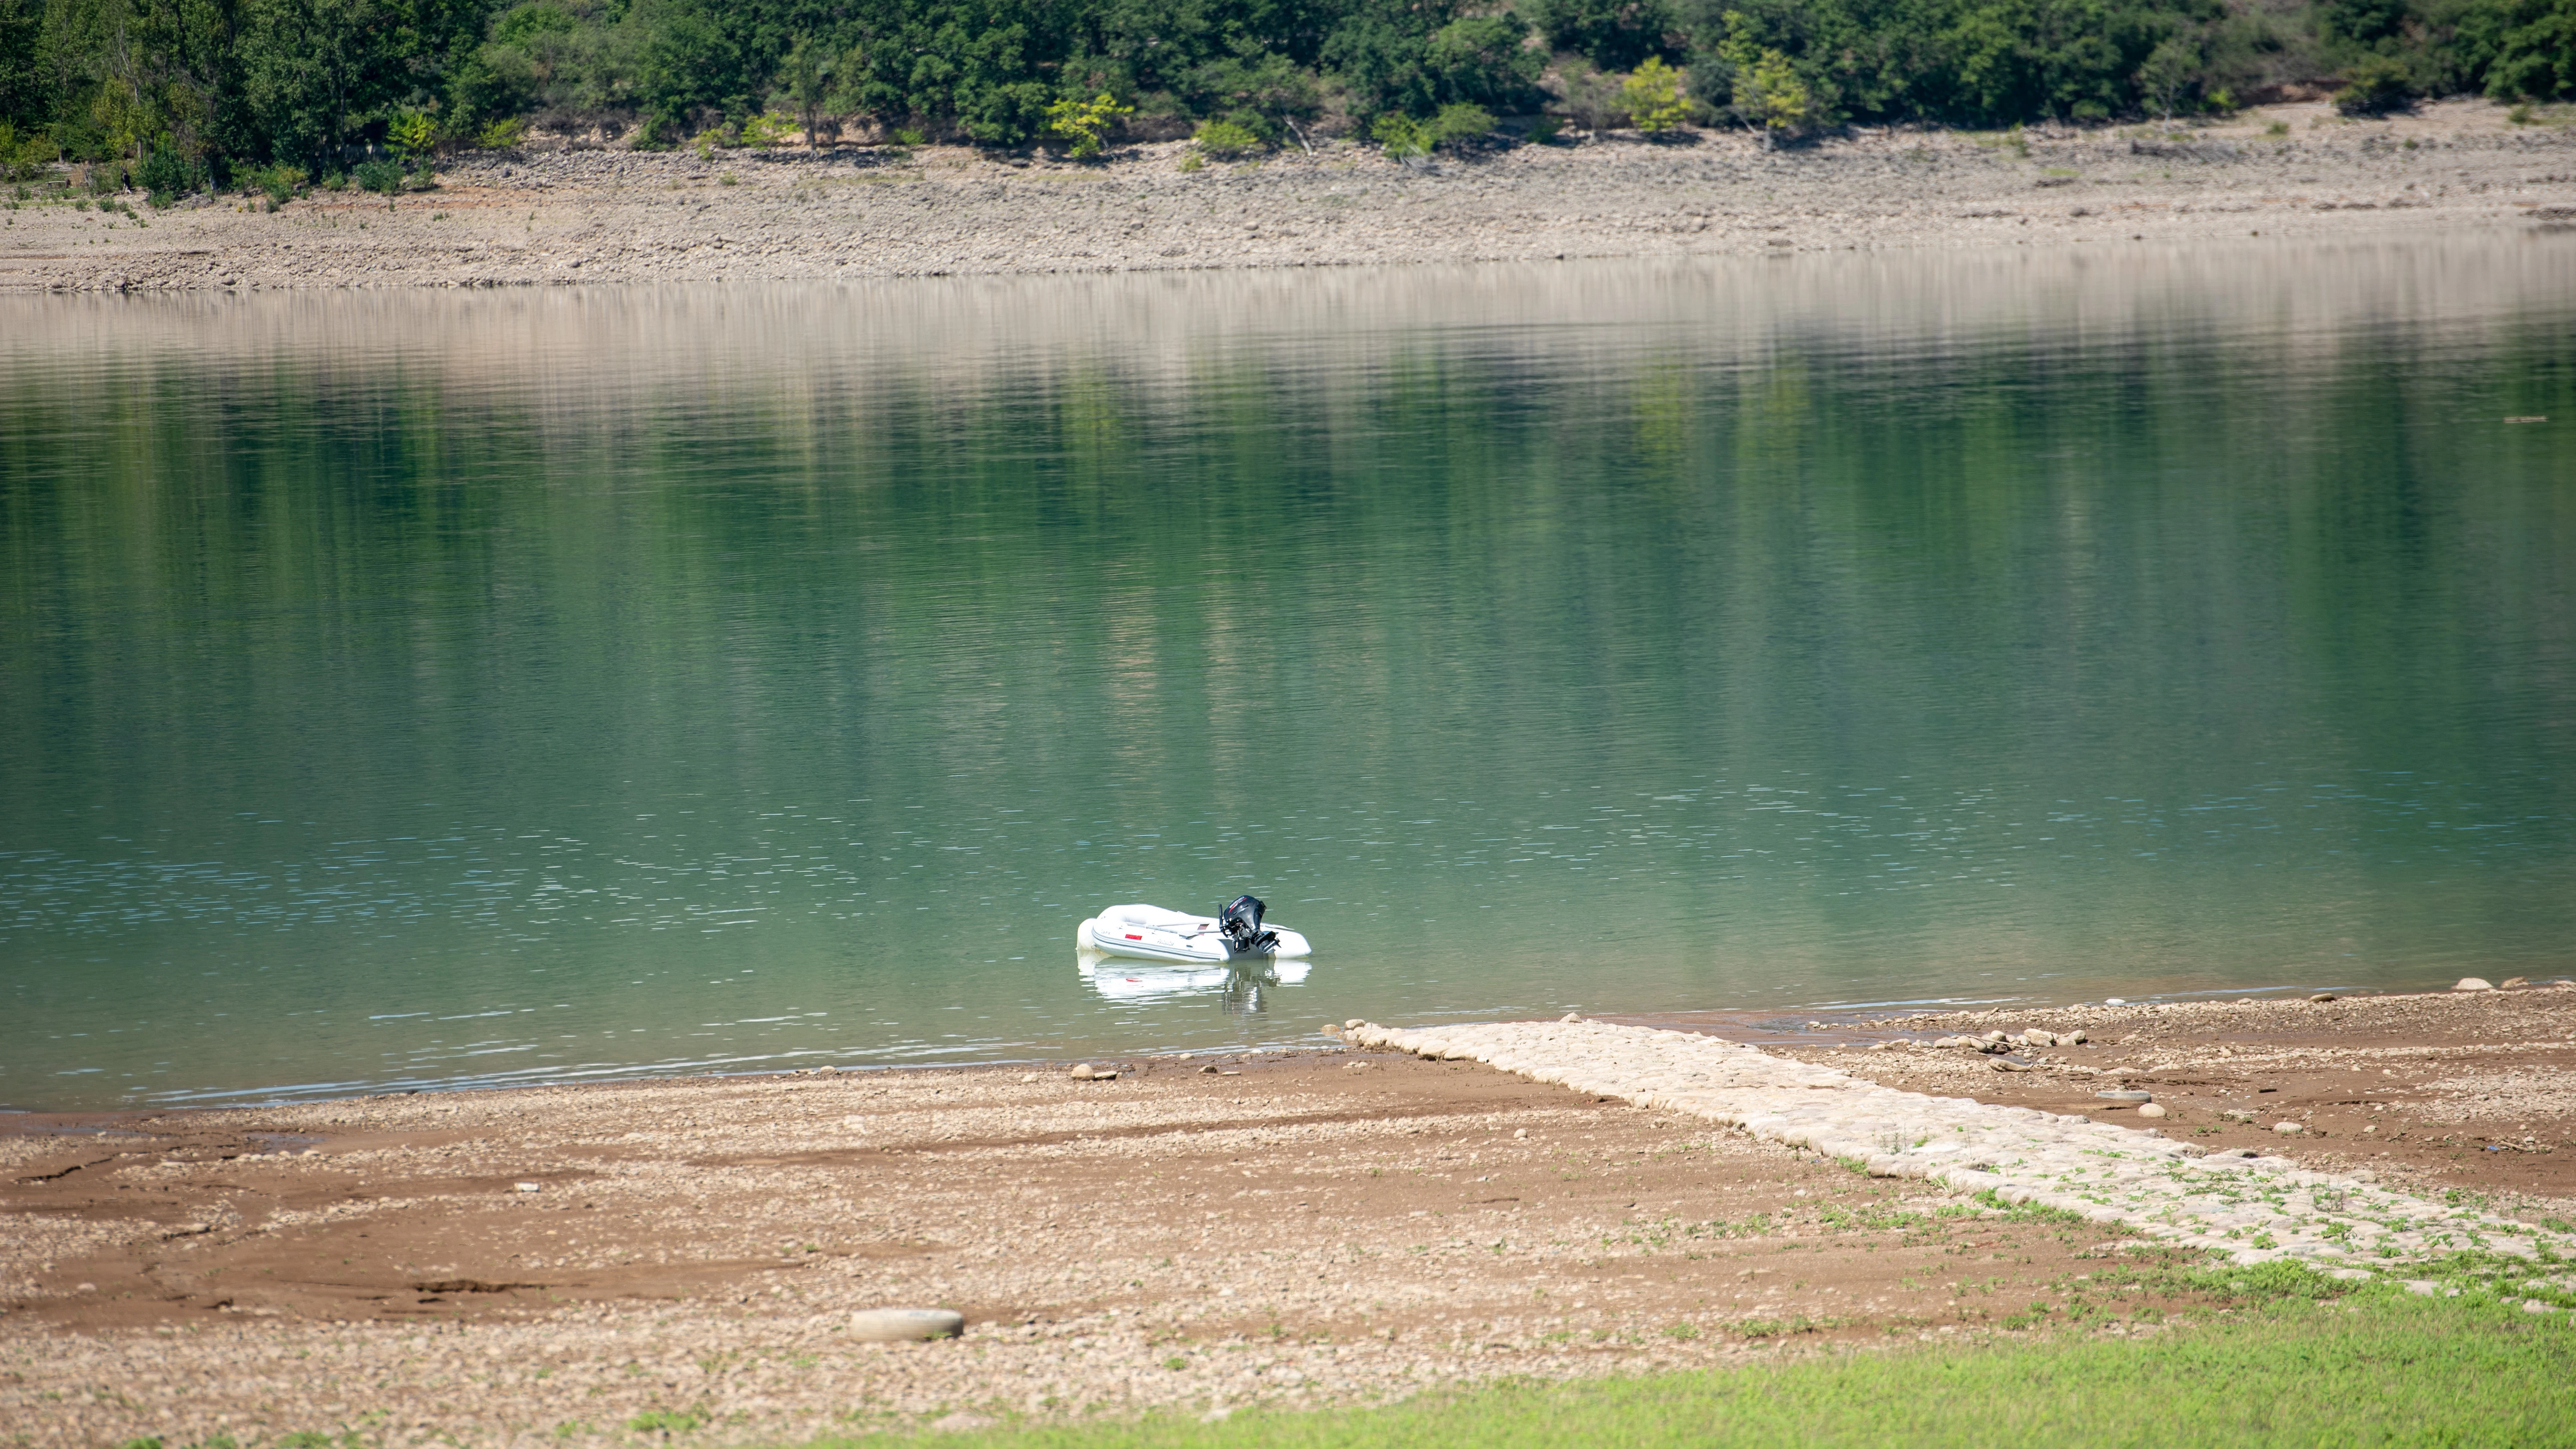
point(437, 689)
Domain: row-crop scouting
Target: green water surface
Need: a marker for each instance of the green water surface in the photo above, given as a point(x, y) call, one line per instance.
point(429, 689)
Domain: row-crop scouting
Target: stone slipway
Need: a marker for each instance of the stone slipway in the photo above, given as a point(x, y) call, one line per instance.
point(2254, 1209)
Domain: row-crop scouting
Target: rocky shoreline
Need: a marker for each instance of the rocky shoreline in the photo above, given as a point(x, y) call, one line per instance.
point(2250, 1204)
point(698, 1258)
point(2290, 173)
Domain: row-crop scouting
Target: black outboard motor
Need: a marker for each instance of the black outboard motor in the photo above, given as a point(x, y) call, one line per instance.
point(1241, 923)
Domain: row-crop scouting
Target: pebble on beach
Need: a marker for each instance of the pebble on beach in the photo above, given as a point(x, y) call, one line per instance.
point(899, 1325)
point(2474, 983)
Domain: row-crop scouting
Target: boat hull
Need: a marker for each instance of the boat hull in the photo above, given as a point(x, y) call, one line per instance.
point(1150, 933)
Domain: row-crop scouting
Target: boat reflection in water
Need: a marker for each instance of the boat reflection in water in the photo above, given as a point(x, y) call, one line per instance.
point(1242, 987)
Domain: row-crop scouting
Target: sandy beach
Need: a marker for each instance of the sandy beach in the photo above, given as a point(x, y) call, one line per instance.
point(2289, 173)
point(1332, 1226)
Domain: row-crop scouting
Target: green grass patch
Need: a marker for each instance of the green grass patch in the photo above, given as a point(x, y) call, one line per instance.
point(2376, 1367)
point(2029, 1212)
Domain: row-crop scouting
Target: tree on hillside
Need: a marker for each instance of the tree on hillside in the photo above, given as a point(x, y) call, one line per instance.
point(692, 60)
point(2171, 69)
point(1595, 99)
point(1611, 34)
point(124, 79)
point(23, 94)
point(1266, 93)
point(1388, 63)
point(808, 73)
point(1768, 89)
point(198, 83)
point(2525, 49)
point(317, 74)
point(1653, 97)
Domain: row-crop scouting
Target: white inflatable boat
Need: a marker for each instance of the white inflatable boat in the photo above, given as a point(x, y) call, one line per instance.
point(1150, 933)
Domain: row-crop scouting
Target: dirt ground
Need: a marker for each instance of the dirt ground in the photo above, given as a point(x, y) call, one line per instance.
point(1195, 1235)
point(2288, 174)
point(2428, 1093)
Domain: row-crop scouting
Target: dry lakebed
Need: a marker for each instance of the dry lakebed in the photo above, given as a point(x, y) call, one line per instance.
point(601, 214)
point(1347, 1224)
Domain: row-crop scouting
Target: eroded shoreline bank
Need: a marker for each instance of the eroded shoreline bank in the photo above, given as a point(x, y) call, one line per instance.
point(1321, 1227)
point(2289, 173)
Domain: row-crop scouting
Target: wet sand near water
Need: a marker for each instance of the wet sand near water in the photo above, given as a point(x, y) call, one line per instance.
point(1330, 1227)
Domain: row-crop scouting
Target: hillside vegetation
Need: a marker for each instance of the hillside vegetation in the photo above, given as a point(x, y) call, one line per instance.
point(186, 92)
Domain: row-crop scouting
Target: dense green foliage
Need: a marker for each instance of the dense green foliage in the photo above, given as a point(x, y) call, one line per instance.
point(188, 89)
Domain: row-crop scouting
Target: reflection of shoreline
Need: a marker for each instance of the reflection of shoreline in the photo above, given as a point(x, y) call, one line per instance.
point(1243, 986)
point(695, 342)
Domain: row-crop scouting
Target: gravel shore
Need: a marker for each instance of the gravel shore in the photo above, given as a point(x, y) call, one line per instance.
point(1338, 1226)
point(2253, 1205)
point(2289, 173)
